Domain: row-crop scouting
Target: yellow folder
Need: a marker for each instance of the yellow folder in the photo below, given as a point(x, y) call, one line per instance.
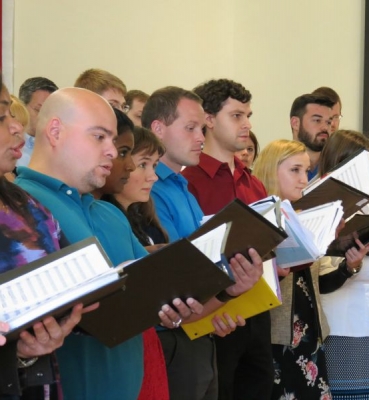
point(264, 296)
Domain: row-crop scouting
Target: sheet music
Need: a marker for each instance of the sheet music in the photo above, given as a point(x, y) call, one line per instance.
point(354, 173)
point(52, 280)
point(211, 243)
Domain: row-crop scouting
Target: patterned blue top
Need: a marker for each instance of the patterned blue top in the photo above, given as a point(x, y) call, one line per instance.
point(23, 241)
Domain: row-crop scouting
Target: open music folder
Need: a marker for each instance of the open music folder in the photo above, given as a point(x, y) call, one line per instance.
point(332, 189)
point(178, 270)
point(309, 233)
point(183, 270)
point(130, 297)
point(249, 229)
point(52, 285)
point(354, 171)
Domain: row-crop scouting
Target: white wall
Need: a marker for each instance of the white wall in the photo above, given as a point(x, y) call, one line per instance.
point(278, 49)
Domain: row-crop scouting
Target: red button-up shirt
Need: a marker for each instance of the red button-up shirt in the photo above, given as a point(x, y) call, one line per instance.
point(214, 186)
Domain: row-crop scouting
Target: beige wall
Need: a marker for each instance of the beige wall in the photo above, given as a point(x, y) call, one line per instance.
point(278, 49)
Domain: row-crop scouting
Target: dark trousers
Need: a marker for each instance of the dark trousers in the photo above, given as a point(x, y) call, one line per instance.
point(191, 366)
point(245, 361)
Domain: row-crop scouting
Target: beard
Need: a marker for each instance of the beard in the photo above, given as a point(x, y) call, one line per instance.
point(312, 143)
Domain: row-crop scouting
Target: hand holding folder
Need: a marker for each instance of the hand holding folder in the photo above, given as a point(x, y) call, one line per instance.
point(355, 228)
point(264, 296)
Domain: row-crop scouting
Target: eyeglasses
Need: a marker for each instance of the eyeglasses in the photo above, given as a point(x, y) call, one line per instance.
point(337, 117)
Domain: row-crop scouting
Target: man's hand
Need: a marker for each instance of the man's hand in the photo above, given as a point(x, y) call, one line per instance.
point(225, 328)
point(49, 334)
point(172, 318)
point(246, 273)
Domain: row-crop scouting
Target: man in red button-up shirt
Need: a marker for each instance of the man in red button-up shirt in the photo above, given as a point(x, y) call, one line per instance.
point(245, 363)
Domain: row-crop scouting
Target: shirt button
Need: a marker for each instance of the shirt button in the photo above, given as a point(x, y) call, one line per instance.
point(40, 374)
point(10, 385)
point(69, 192)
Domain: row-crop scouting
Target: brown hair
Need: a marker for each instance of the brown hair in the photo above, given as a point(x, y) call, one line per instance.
point(162, 105)
point(341, 145)
point(98, 81)
point(136, 95)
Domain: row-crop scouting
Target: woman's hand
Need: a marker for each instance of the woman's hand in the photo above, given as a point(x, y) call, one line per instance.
point(354, 256)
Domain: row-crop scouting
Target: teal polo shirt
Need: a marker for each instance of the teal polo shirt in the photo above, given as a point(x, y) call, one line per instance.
point(88, 369)
point(177, 209)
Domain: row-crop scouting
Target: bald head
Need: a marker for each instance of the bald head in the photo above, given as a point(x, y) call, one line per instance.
point(68, 104)
point(75, 138)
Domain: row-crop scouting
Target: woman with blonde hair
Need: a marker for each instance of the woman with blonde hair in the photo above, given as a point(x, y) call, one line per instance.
point(19, 112)
point(299, 326)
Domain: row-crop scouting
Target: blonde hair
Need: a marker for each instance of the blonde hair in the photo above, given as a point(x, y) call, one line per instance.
point(266, 166)
point(19, 111)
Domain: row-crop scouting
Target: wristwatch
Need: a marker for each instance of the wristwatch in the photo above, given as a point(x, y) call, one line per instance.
point(223, 296)
point(349, 272)
point(26, 362)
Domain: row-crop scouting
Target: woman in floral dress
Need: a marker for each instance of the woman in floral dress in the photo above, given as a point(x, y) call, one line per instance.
point(299, 326)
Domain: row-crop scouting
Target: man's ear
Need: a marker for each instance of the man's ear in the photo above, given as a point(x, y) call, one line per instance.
point(157, 127)
point(295, 126)
point(53, 131)
point(209, 120)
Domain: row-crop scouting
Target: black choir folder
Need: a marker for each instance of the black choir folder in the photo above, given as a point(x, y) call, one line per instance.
point(130, 298)
point(329, 190)
point(181, 270)
point(45, 287)
point(357, 227)
point(249, 229)
point(52, 285)
point(176, 270)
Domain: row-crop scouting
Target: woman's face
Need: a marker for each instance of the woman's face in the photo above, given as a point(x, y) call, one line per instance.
point(292, 176)
point(11, 135)
point(247, 155)
point(123, 165)
point(140, 183)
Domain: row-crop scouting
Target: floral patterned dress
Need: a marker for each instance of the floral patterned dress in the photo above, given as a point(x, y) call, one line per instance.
point(300, 369)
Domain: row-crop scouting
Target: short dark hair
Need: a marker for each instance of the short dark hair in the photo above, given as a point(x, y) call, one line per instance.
point(136, 94)
point(298, 108)
point(162, 105)
point(124, 124)
point(215, 92)
point(31, 85)
point(328, 92)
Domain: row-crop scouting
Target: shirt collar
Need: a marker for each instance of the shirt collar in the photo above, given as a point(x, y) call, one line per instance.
point(48, 181)
point(211, 165)
point(164, 172)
